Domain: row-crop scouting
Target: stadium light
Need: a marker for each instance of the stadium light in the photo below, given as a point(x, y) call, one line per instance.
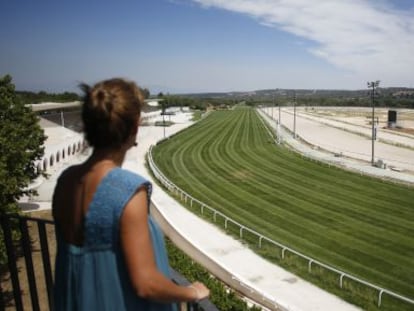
point(294, 115)
point(373, 85)
point(279, 125)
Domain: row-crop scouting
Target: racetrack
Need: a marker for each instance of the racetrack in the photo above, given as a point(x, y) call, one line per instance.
point(358, 224)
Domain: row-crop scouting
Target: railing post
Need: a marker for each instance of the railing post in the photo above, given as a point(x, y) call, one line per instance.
point(283, 253)
point(241, 232)
point(380, 297)
point(46, 263)
point(11, 261)
point(341, 280)
point(260, 241)
point(2, 302)
point(310, 266)
point(29, 263)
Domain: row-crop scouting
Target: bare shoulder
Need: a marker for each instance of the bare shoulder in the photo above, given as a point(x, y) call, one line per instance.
point(136, 208)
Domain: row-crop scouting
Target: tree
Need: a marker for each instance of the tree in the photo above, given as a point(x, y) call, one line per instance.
point(145, 93)
point(21, 144)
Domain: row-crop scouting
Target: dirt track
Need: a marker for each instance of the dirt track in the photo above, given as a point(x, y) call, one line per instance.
point(351, 135)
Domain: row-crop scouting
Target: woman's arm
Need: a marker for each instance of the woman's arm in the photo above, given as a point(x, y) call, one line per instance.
point(146, 280)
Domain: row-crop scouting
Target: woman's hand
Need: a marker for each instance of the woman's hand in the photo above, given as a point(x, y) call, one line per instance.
point(200, 291)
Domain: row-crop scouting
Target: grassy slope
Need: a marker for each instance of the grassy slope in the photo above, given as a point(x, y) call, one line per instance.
point(358, 224)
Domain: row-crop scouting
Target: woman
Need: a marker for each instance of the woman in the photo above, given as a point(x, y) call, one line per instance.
point(111, 254)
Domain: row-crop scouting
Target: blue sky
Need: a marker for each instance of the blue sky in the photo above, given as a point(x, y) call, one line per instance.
point(208, 45)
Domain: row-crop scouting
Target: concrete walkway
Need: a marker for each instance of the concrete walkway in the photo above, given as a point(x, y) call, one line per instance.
point(224, 256)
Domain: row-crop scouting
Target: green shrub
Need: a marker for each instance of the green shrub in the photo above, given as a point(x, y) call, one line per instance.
point(224, 298)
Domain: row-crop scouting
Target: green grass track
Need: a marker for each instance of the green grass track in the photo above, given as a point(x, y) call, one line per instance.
point(358, 224)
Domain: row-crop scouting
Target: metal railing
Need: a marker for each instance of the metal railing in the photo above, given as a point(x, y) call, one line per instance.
point(37, 293)
point(185, 197)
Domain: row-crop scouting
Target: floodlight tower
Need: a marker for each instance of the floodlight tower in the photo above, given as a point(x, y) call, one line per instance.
point(373, 85)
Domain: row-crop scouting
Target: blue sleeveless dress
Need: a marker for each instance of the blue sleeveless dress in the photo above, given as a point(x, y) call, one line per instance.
point(94, 276)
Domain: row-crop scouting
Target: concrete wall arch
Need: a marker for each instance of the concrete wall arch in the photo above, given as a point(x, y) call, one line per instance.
point(39, 167)
point(50, 160)
point(45, 164)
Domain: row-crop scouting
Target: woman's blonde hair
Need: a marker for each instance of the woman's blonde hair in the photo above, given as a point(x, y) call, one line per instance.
point(110, 112)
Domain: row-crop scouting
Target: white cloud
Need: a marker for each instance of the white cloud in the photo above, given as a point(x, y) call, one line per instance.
point(370, 39)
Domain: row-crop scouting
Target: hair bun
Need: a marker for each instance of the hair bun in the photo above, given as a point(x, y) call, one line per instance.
point(103, 102)
point(100, 96)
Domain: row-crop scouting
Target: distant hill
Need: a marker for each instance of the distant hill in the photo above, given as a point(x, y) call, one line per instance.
point(29, 98)
point(398, 92)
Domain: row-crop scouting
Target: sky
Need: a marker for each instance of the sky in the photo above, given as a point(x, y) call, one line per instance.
point(190, 46)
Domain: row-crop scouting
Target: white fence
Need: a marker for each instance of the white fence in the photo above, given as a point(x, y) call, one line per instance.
point(185, 197)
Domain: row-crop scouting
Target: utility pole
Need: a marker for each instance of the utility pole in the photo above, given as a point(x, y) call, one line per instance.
point(373, 85)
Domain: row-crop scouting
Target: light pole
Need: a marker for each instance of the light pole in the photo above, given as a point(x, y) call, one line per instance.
point(278, 126)
point(280, 115)
point(373, 85)
point(294, 115)
point(163, 114)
